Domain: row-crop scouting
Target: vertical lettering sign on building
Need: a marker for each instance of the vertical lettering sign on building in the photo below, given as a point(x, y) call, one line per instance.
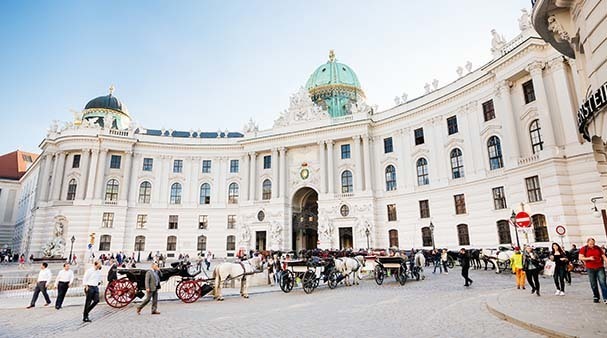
point(590, 109)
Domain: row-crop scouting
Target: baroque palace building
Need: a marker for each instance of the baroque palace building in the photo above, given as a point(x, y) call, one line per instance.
point(448, 167)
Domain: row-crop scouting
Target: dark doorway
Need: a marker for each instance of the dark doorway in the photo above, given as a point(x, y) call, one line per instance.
point(345, 238)
point(305, 219)
point(260, 240)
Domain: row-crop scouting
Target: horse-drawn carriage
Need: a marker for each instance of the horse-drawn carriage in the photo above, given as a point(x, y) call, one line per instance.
point(395, 265)
point(310, 271)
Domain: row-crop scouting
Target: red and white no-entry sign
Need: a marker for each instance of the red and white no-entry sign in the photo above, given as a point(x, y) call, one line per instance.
point(522, 219)
point(560, 230)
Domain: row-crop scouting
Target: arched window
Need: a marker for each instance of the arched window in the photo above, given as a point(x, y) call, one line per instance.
point(390, 178)
point(145, 192)
point(457, 163)
point(111, 190)
point(105, 242)
point(503, 232)
point(426, 236)
point(176, 193)
point(537, 144)
point(171, 243)
point(494, 147)
point(233, 193)
point(202, 243)
point(422, 172)
point(539, 228)
point(393, 235)
point(231, 243)
point(205, 193)
point(71, 190)
point(266, 190)
point(140, 243)
point(463, 235)
point(346, 182)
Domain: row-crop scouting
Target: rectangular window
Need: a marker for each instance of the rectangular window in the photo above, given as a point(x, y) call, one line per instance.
point(391, 212)
point(141, 221)
point(203, 221)
point(419, 136)
point(528, 91)
point(345, 151)
point(267, 162)
point(234, 166)
point(424, 209)
point(148, 163)
point(206, 166)
point(499, 198)
point(388, 146)
point(460, 204)
point(173, 222)
point(534, 192)
point(108, 220)
point(488, 110)
point(231, 221)
point(452, 125)
point(177, 166)
point(76, 161)
point(115, 161)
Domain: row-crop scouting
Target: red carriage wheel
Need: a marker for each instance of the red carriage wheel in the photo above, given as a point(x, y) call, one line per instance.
point(188, 291)
point(119, 293)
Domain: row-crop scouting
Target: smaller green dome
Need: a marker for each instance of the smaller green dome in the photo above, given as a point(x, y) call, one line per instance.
point(332, 73)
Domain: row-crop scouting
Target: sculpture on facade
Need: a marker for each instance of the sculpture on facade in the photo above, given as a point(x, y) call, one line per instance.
point(364, 227)
point(360, 107)
point(55, 247)
point(276, 233)
point(326, 228)
point(524, 22)
point(435, 84)
point(396, 100)
point(560, 34)
point(404, 97)
point(469, 66)
point(497, 41)
point(301, 109)
point(250, 127)
point(427, 88)
point(459, 71)
point(77, 115)
point(244, 235)
point(54, 126)
point(108, 121)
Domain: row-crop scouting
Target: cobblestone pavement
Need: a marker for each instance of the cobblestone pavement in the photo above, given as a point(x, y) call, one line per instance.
point(436, 307)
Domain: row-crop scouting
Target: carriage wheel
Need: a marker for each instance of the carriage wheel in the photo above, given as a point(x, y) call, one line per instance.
point(501, 266)
point(450, 263)
point(120, 292)
point(333, 277)
point(309, 281)
point(402, 274)
point(378, 273)
point(287, 281)
point(188, 291)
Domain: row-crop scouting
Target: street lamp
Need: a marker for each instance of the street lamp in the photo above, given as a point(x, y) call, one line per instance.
point(432, 234)
point(367, 232)
point(513, 220)
point(73, 239)
point(595, 210)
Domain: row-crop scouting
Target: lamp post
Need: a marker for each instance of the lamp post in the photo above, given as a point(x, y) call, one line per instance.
point(595, 210)
point(73, 239)
point(432, 234)
point(367, 232)
point(513, 220)
point(139, 254)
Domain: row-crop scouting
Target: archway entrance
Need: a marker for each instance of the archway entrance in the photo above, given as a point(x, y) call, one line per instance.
point(305, 219)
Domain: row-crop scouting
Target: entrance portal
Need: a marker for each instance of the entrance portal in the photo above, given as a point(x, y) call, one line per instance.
point(345, 238)
point(305, 219)
point(260, 240)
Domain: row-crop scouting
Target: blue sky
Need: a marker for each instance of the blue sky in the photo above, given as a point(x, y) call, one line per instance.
point(214, 64)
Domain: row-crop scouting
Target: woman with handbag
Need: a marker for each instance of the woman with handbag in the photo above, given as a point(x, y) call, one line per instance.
point(560, 269)
point(531, 265)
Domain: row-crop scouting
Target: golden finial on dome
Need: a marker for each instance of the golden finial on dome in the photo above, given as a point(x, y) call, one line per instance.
point(331, 55)
point(112, 88)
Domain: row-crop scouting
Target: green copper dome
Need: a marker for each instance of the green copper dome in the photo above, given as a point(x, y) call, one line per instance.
point(334, 86)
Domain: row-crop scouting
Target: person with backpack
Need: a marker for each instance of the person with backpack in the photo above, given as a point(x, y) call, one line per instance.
point(594, 259)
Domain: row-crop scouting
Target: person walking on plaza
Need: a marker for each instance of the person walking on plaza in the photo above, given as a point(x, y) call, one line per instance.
point(531, 266)
point(207, 259)
point(444, 258)
point(516, 262)
point(152, 285)
point(594, 259)
point(44, 278)
point(22, 262)
point(437, 261)
point(560, 269)
point(64, 279)
point(465, 262)
point(91, 281)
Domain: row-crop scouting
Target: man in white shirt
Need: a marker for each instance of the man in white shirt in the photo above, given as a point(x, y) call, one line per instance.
point(63, 281)
point(91, 281)
point(44, 278)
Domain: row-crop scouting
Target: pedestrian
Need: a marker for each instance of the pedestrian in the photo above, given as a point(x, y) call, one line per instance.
point(64, 279)
point(444, 258)
point(91, 281)
point(44, 278)
point(437, 261)
point(207, 259)
point(560, 270)
point(270, 262)
point(516, 262)
point(531, 266)
point(594, 259)
point(420, 262)
point(152, 285)
point(22, 262)
point(465, 262)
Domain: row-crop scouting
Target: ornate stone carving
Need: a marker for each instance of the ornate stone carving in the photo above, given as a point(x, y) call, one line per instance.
point(497, 41)
point(469, 66)
point(396, 100)
point(55, 247)
point(326, 228)
point(459, 71)
point(524, 21)
point(535, 67)
point(276, 233)
point(363, 226)
point(435, 84)
point(404, 97)
point(361, 107)
point(250, 127)
point(244, 235)
point(301, 109)
point(427, 88)
point(560, 34)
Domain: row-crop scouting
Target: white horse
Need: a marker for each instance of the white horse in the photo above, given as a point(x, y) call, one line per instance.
point(495, 256)
point(241, 270)
point(347, 266)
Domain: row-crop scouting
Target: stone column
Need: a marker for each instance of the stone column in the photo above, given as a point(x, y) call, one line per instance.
point(126, 178)
point(510, 139)
point(84, 167)
point(221, 182)
point(359, 173)
point(100, 177)
point(133, 194)
point(274, 173)
point(58, 176)
point(406, 171)
point(400, 168)
point(472, 160)
point(253, 177)
point(547, 132)
point(283, 172)
point(187, 181)
point(565, 101)
point(367, 163)
point(331, 167)
point(159, 183)
point(92, 174)
point(323, 167)
point(245, 177)
point(439, 130)
point(48, 158)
